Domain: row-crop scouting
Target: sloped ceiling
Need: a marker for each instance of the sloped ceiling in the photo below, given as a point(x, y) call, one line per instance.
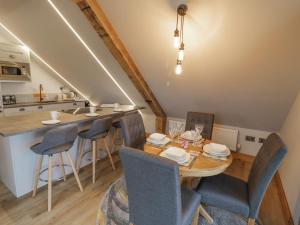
point(36, 23)
point(242, 57)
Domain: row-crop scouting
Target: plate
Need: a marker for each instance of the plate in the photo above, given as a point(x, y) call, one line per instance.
point(209, 149)
point(189, 136)
point(50, 122)
point(164, 141)
point(185, 160)
point(92, 114)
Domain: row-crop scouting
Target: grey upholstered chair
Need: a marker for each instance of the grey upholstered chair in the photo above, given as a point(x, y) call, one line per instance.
point(241, 197)
point(55, 141)
point(207, 119)
point(98, 131)
point(155, 195)
point(133, 130)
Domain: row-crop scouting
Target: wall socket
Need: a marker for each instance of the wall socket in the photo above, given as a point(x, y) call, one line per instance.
point(250, 138)
point(261, 140)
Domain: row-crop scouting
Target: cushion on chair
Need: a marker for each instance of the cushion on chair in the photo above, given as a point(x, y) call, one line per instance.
point(226, 192)
point(190, 202)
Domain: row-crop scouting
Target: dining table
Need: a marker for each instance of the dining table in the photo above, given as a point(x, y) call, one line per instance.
point(199, 167)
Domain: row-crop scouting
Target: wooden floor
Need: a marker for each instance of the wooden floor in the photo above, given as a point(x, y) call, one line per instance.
point(71, 207)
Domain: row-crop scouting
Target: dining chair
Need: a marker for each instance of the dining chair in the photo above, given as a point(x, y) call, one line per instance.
point(242, 197)
point(207, 119)
point(154, 191)
point(133, 130)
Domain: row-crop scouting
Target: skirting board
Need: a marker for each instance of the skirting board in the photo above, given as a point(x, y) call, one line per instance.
point(283, 200)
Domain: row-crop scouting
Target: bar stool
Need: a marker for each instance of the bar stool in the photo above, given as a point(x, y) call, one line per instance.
point(98, 131)
point(55, 141)
point(117, 132)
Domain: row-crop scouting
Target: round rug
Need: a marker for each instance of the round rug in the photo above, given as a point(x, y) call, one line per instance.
point(113, 209)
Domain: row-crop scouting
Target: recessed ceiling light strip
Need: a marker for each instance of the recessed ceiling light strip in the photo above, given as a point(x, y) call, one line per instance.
point(91, 52)
point(45, 63)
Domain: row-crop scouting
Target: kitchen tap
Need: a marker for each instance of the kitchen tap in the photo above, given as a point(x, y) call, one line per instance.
point(41, 89)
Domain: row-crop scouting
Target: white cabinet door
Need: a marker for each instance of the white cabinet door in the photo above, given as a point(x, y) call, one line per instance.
point(19, 110)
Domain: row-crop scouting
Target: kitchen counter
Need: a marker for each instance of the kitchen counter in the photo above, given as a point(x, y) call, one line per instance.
point(28, 122)
point(19, 133)
point(25, 104)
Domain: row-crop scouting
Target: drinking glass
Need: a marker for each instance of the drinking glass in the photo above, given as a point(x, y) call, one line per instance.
point(198, 131)
point(179, 130)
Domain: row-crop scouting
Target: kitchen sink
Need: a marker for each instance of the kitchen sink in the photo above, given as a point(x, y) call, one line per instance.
point(79, 111)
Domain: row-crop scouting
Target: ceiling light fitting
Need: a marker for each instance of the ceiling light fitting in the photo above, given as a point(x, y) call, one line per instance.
point(178, 37)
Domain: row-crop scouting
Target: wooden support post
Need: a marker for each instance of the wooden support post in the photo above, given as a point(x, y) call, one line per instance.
point(107, 33)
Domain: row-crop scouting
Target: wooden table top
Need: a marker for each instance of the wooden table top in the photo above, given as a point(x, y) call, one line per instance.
point(201, 166)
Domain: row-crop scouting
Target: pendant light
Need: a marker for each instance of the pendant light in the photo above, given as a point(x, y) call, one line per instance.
point(178, 37)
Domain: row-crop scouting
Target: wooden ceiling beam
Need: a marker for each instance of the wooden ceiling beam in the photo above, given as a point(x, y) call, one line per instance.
point(107, 33)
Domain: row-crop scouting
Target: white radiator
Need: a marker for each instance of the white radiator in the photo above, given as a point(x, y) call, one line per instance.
point(226, 136)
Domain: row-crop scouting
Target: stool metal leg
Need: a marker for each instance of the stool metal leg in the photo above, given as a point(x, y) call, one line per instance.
point(94, 146)
point(74, 170)
point(37, 174)
point(61, 164)
point(49, 183)
point(109, 155)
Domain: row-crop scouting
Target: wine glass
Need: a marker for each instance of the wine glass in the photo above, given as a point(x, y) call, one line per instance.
point(198, 131)
point(172, 131)
point(180, 130)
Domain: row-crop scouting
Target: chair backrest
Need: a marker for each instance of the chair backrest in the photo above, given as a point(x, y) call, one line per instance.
point(58, 136)
point(264, 168)
point(99, 126)
point(153, 186)
point(133, 130)
point(207, 119)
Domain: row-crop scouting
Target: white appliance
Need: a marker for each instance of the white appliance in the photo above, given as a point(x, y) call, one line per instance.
point(14, 63)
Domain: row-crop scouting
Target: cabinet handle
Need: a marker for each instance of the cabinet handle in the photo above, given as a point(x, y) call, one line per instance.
point(40, 107)
point(22, 109)
point(74, 103)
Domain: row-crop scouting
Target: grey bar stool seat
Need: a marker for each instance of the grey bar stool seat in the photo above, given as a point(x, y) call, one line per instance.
point(55, 141)
point(98, 131)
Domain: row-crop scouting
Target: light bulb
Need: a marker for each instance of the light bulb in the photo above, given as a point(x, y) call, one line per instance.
point(176, 39)
point(180, 55)
point(178, 69)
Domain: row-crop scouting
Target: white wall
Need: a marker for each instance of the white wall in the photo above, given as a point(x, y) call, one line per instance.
point(249, 148)
point(290, 168)
point(39, 74)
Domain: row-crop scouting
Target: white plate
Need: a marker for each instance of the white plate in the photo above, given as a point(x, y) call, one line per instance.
point(186, 158)
point(216, 152)
point(164, 141)
point(50, 122)
point(189, 135)
point(92, 114)
point(118, 110)
point(157, 136)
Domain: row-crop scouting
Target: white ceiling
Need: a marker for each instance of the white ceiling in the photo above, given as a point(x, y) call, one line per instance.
point(242, 57)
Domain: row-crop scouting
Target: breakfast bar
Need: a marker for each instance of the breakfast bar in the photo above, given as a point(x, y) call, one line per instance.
point(19, 133)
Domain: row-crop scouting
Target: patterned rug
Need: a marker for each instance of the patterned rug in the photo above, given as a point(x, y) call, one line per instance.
point(113, 209)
